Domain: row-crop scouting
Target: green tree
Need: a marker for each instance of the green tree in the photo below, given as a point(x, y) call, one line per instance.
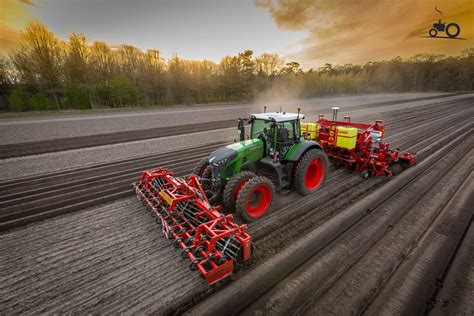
point(19, 100)
point(76, 97)
point(40, 102)
point(123, 92)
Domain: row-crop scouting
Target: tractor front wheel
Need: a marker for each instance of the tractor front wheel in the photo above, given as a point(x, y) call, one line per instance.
point(203, 170)
point(311, 171)
point(255, 198)
point(200, 167)
point(233, 187)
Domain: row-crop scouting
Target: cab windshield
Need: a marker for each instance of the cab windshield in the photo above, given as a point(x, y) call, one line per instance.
point(261, 127)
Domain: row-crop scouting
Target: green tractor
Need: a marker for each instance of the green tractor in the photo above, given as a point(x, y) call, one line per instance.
point(273, 157)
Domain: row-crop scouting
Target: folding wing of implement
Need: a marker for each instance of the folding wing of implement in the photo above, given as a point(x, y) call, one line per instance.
point(210, 240)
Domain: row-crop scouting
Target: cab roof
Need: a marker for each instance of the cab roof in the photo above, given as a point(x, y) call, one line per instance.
point(277, 116)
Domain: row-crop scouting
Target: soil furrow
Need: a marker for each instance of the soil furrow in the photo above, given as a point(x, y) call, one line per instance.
point(61, 144)
point(356, 289)
point(119, 189)
point(115, 260)
point(350, 238)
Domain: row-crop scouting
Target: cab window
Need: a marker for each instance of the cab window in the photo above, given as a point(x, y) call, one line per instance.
point(259, 127)
point(285, 132)
point(289, 127)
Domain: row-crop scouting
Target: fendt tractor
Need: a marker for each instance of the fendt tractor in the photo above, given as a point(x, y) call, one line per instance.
point(280, 153)
point(272, 157)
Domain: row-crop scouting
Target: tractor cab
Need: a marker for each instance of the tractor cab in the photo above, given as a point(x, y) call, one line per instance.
point(277, 130)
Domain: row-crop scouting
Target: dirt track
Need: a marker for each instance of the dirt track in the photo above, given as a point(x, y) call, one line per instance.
point(113, 259)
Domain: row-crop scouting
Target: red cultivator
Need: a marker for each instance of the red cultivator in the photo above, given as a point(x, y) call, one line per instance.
point(359, 146)
point(211, 240)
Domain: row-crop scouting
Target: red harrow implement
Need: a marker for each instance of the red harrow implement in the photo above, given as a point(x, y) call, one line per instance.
point(209, 239)
point(357, 146)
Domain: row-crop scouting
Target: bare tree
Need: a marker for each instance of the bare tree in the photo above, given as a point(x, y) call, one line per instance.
point(39, 56)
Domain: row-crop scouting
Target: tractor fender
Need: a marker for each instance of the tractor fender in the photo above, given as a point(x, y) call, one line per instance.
point(298, 150)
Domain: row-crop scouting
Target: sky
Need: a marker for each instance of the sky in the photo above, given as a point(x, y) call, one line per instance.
point(311, 32)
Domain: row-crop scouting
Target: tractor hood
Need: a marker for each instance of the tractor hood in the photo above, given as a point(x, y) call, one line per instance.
point(228, 160)
point(230, 152)
point(222, 156)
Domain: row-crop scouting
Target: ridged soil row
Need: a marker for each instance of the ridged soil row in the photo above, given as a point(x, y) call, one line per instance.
point(108, 252)
point(260, 230)
point(357, 288)
point(45, 233)
point(329, 200)
point(412, 287)
point(148, 299)
point(39, 182)
point(91, 189)
point(25, 201)
point(455, 293)
point(61, 144)
point(108, 259)
point(363, 229)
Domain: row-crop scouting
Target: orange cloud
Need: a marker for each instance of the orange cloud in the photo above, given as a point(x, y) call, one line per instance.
point(346, 31)
point(14, 15)
point(8, 38)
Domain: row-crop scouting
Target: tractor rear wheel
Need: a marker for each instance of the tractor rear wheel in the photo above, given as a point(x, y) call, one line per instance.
point(255, 198)
point(311, 171)
point(233, 187)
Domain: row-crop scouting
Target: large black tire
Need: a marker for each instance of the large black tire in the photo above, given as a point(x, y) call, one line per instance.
point(203, 170)
point(456, 33)
point(201, 166)
point(233, 187)
point(255, 198)
point(311, 171)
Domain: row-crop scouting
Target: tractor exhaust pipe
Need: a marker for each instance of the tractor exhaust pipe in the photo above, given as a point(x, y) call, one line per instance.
point(334, 114)
point(241, 129)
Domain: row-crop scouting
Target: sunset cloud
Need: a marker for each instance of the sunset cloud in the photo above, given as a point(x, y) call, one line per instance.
point(346, 31)
point(14, 16)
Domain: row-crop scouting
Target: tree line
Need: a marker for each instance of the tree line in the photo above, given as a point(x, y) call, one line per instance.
point(45, 73)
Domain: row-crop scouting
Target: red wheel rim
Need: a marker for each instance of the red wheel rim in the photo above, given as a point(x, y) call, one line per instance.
point(259, 201)
point(237, 189)
point(314, 174)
